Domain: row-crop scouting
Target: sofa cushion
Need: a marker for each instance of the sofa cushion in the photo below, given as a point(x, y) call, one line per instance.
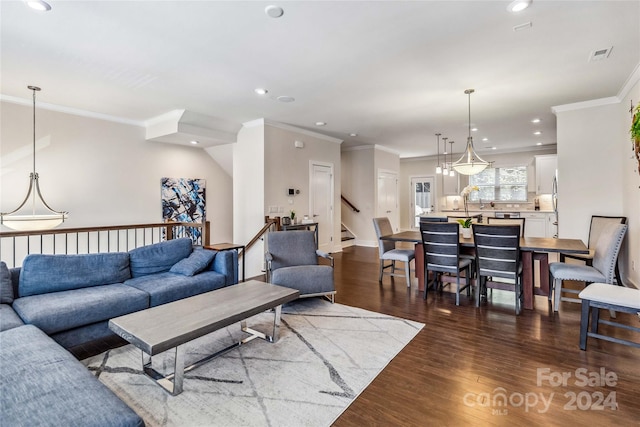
point(194, 263)
point(9, 319)
point(43, 384)
point(159, 257)
point(6, 288)
point(308, 279)
point(59, 311)
point(167, 287)
point(41, 274)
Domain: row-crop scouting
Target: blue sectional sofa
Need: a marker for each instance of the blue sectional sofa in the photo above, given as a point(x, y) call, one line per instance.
point(56, 301)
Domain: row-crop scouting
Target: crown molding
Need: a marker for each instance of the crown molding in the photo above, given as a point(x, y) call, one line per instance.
point(585, 104)
point(72, 111)
point(630, 83)
point(290, 128)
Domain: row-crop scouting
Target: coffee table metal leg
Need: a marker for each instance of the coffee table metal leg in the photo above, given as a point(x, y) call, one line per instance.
point(257, 334)
point(172, 382)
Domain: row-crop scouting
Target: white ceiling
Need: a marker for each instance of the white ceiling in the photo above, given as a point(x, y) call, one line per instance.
point(393, 72)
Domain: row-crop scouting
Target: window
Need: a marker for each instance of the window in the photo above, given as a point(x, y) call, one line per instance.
point(500, 184)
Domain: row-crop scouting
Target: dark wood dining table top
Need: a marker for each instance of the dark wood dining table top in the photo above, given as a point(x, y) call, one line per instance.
point(533, 244)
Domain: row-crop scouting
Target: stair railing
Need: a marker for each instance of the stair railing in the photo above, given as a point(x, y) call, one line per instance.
point(348, 203)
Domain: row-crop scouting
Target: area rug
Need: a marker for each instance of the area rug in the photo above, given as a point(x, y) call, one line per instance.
point(326, 356)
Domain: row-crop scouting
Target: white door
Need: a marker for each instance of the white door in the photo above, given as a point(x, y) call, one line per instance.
point(422, 198)
point(321, 202)
point(388, 197)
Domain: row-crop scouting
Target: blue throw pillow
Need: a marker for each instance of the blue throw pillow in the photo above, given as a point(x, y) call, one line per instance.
point(194, 263)
point(158, 257)
point(6, 288)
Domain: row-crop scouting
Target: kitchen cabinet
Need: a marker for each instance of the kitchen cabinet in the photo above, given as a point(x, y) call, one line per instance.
point(535, 224)
point(539, 224)
point(450, 186)
point(546, 167)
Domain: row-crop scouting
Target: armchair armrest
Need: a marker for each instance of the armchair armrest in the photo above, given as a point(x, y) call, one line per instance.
point(325, 255)
point(268, 258)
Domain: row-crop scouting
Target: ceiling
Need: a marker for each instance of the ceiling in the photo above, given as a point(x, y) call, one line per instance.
point(394, 73)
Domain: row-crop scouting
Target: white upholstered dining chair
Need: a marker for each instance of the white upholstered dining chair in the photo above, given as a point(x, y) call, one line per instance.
point(602, 269)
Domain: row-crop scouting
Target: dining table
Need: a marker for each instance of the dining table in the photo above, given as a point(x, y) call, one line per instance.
point(531, 248)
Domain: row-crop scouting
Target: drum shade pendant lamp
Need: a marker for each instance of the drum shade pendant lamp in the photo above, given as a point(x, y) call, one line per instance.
point(470, 163)
point(35, 220)
point(438, 167)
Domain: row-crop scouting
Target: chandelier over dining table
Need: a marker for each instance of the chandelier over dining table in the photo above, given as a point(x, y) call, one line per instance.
point(470, 163)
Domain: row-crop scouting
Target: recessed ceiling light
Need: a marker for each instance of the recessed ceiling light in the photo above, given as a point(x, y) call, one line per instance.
point(260, 91)
point(485, 139)
point(286, 99)
point(39, 5)
point(494, 148)
point(353, 134)
point(538, 143)
point(518, 5)
point(474, 129)
point(194, 142)
point(536, 120)
point(320, 123)
point(537, 132)
point(274, 11)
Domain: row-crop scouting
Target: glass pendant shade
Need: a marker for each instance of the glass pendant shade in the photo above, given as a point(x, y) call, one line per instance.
point(32, 219)
point(470, 163)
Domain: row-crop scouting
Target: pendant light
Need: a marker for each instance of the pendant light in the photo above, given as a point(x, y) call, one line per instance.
point(445, 169)
point(33, 221)
point(451, 171)
point(470, 163)
point(438, 167)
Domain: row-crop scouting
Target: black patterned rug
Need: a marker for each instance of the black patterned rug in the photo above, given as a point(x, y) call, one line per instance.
point(327, 354)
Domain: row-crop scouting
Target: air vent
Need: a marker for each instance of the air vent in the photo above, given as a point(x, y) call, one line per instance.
point(524, 26)
point(600, 54)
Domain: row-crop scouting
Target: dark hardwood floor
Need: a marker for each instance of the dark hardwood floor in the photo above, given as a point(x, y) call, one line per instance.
point(457, 370)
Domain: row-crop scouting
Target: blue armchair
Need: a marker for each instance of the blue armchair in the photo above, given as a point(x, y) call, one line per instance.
point(292, 261)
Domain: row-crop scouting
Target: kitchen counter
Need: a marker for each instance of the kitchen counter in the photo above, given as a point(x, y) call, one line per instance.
point(490, 210)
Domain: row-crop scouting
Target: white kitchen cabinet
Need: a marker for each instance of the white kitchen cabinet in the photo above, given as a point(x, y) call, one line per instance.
point(546, 166)
point(450, 186)
point(535, 224)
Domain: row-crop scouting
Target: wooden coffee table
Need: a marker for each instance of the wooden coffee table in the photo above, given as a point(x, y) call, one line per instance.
point(172, 325)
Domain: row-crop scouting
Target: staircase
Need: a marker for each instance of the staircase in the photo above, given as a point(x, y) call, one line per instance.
point(347, 237)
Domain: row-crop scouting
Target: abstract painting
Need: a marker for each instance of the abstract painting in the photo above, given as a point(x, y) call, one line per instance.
point(183, 200)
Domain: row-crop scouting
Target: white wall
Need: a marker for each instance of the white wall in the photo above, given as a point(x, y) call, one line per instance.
point(630, 191)
point(360, 167)
point(103, 173)
point(358, 187)
point(266, 164)
point(288, 167)
point(596, 175)
point(249, 193)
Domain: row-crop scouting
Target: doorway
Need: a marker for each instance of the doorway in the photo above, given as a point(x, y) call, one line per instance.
point(321, 202)
point(388, 197)
point(422, 198)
